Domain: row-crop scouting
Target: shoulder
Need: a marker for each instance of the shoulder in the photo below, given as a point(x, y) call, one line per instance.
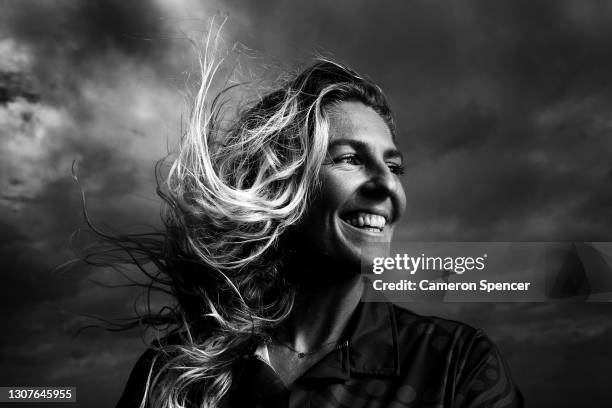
point(145, 369)
point(443, 338)
point(457, 355)
point(139, 378)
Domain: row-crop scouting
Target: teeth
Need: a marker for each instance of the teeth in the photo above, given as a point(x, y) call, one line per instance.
point(367, 221)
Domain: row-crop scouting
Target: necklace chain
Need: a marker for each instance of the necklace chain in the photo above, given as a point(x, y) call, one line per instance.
point(302, 354)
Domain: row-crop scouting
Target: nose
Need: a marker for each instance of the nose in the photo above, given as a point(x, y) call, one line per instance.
point(381, 182)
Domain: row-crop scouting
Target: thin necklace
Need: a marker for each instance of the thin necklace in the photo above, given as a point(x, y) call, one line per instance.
point(302, 354)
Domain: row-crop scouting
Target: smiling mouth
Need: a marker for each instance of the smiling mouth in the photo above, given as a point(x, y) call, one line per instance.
point(365, 221)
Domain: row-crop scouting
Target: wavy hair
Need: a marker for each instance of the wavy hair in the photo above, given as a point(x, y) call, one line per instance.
point(234, 195)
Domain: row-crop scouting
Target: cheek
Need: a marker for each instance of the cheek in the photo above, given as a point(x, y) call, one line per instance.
point(401, 200)
point(333, 194)
point(336, 189)
point(322, 208)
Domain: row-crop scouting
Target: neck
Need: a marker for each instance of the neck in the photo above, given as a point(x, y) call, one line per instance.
point(322, 310)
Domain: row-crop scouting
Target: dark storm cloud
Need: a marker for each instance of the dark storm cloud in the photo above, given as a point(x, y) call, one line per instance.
point(14, 85)
point(468, 127)
point(28, 279)
point(509, 198)
point(83, 30)
point(69, 43)
point(9, 234)
point(557, 51)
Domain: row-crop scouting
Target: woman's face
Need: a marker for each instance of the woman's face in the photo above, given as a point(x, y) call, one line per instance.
point(361, 197)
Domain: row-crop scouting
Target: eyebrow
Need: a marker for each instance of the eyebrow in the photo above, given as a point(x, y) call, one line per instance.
point(359, 145)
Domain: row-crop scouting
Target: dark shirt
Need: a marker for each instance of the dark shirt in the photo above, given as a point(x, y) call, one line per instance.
point(393, 358)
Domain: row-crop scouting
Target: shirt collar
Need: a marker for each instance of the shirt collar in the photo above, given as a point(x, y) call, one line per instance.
point(372, 347)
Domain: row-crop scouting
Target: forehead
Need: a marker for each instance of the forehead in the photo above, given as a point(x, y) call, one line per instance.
point(355, 121)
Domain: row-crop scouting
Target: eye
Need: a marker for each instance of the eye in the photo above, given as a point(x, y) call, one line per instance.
point(351, 159)
point(396, 168)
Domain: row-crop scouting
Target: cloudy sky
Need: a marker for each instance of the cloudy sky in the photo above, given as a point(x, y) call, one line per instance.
point(504, 112)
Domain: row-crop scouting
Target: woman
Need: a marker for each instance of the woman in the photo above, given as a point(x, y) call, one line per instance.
point(267, 222)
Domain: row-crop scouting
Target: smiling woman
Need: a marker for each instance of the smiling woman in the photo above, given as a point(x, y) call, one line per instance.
point(262, 250)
